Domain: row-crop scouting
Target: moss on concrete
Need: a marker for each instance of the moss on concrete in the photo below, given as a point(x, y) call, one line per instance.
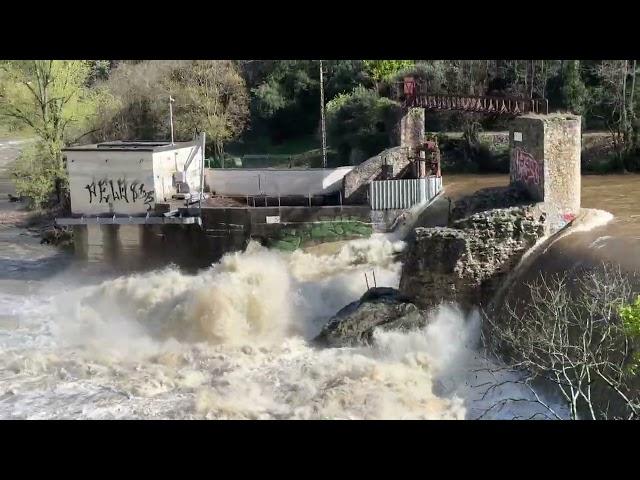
point(341, 229)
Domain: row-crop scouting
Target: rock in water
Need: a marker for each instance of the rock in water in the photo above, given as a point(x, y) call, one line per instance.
point(466, 263)
point(383, 308)
point(62, 237)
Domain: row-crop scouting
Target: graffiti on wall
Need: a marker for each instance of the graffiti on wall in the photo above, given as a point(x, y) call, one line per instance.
point(110, 191)
point(527, 169)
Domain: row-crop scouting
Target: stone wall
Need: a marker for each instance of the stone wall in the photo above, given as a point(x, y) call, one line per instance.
point(411, 133)
point(545, 161)
point(356, 182)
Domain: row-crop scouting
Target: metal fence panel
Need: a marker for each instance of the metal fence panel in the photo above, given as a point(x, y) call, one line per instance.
point(403, 194)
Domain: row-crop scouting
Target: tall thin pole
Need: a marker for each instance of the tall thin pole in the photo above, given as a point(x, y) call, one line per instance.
point(171, 100)
point(204, 143)
point(324, 132)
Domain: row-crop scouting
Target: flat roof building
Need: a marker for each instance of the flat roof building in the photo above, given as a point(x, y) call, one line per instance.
point(129, 177)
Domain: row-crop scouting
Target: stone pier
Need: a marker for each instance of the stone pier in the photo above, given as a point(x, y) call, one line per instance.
point(545, 160)
point(412, 128)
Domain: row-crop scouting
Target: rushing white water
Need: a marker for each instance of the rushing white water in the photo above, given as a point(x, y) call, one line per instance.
point(233, 342)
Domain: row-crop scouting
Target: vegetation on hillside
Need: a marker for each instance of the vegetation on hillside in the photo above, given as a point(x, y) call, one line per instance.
point(53, 100)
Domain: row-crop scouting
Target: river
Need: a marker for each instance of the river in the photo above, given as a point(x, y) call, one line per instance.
point(81, 340)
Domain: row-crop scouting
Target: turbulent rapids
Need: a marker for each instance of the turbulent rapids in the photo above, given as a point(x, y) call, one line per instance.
point(234, 342)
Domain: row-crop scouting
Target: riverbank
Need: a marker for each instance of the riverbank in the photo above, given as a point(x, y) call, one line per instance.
point(13, 212)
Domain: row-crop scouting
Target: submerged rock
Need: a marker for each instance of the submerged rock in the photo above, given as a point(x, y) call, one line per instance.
point(383, 308)
point(62, 237)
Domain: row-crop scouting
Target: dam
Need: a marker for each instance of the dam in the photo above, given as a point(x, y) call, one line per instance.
point(159, 197)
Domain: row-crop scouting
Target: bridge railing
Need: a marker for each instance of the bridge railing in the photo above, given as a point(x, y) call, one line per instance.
point(482, 104)
point(414, 94)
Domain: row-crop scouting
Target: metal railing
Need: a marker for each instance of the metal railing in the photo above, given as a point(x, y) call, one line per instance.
point(266, 200)
point(415, 94)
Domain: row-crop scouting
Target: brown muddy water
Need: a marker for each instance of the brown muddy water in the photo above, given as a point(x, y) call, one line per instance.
point(617, 242)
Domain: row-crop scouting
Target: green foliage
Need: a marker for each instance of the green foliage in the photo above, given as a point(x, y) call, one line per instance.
point(51, 99)
point(100, 70)
point(35, 173)
point(285, 94)
point(140, 106)
point(382, 69)
point(210, 96)
point(287, 102)
point(630, 315)
point(330, 230)
point(361, 120)
point(571, 89)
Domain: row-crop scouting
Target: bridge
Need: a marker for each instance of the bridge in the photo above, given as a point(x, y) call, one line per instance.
point(544, 147)
point(415, 94)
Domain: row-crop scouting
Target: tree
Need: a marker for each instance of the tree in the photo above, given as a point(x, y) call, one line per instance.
point(573, 92)
point(48, 96)
point(381, 69)
point(614, 103)
point(53, 100)
point(210, 97)
point(580, 338)
point(361, 121)
point(139, 109)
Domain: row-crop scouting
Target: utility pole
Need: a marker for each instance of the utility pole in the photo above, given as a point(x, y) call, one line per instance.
point(203, 138)
point(171, 100)
point(324, 132)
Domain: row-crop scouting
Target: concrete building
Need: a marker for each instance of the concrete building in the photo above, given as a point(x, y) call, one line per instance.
point(128, 178)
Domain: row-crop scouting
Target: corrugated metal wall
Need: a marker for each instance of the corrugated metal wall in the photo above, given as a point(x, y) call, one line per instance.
point(397, 194)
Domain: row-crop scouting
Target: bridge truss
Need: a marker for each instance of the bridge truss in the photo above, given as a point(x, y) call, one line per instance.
point(414, 94)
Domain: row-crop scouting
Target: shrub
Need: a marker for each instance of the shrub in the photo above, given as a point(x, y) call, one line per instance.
point(582, 335)
point(36, 175)
point(361, 120)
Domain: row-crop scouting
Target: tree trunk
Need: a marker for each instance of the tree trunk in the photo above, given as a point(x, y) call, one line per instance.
point(623, 112)
point(632, 111)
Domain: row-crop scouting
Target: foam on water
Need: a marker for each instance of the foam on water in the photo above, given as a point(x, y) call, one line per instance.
point(233, 342)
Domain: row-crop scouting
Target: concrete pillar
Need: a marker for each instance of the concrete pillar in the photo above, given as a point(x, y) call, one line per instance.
point(545, 160)
point(111, 246)
point(80, 241)
point(412, 128)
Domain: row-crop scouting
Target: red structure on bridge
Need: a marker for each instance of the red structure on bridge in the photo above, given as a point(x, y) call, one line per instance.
point(414, 95)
